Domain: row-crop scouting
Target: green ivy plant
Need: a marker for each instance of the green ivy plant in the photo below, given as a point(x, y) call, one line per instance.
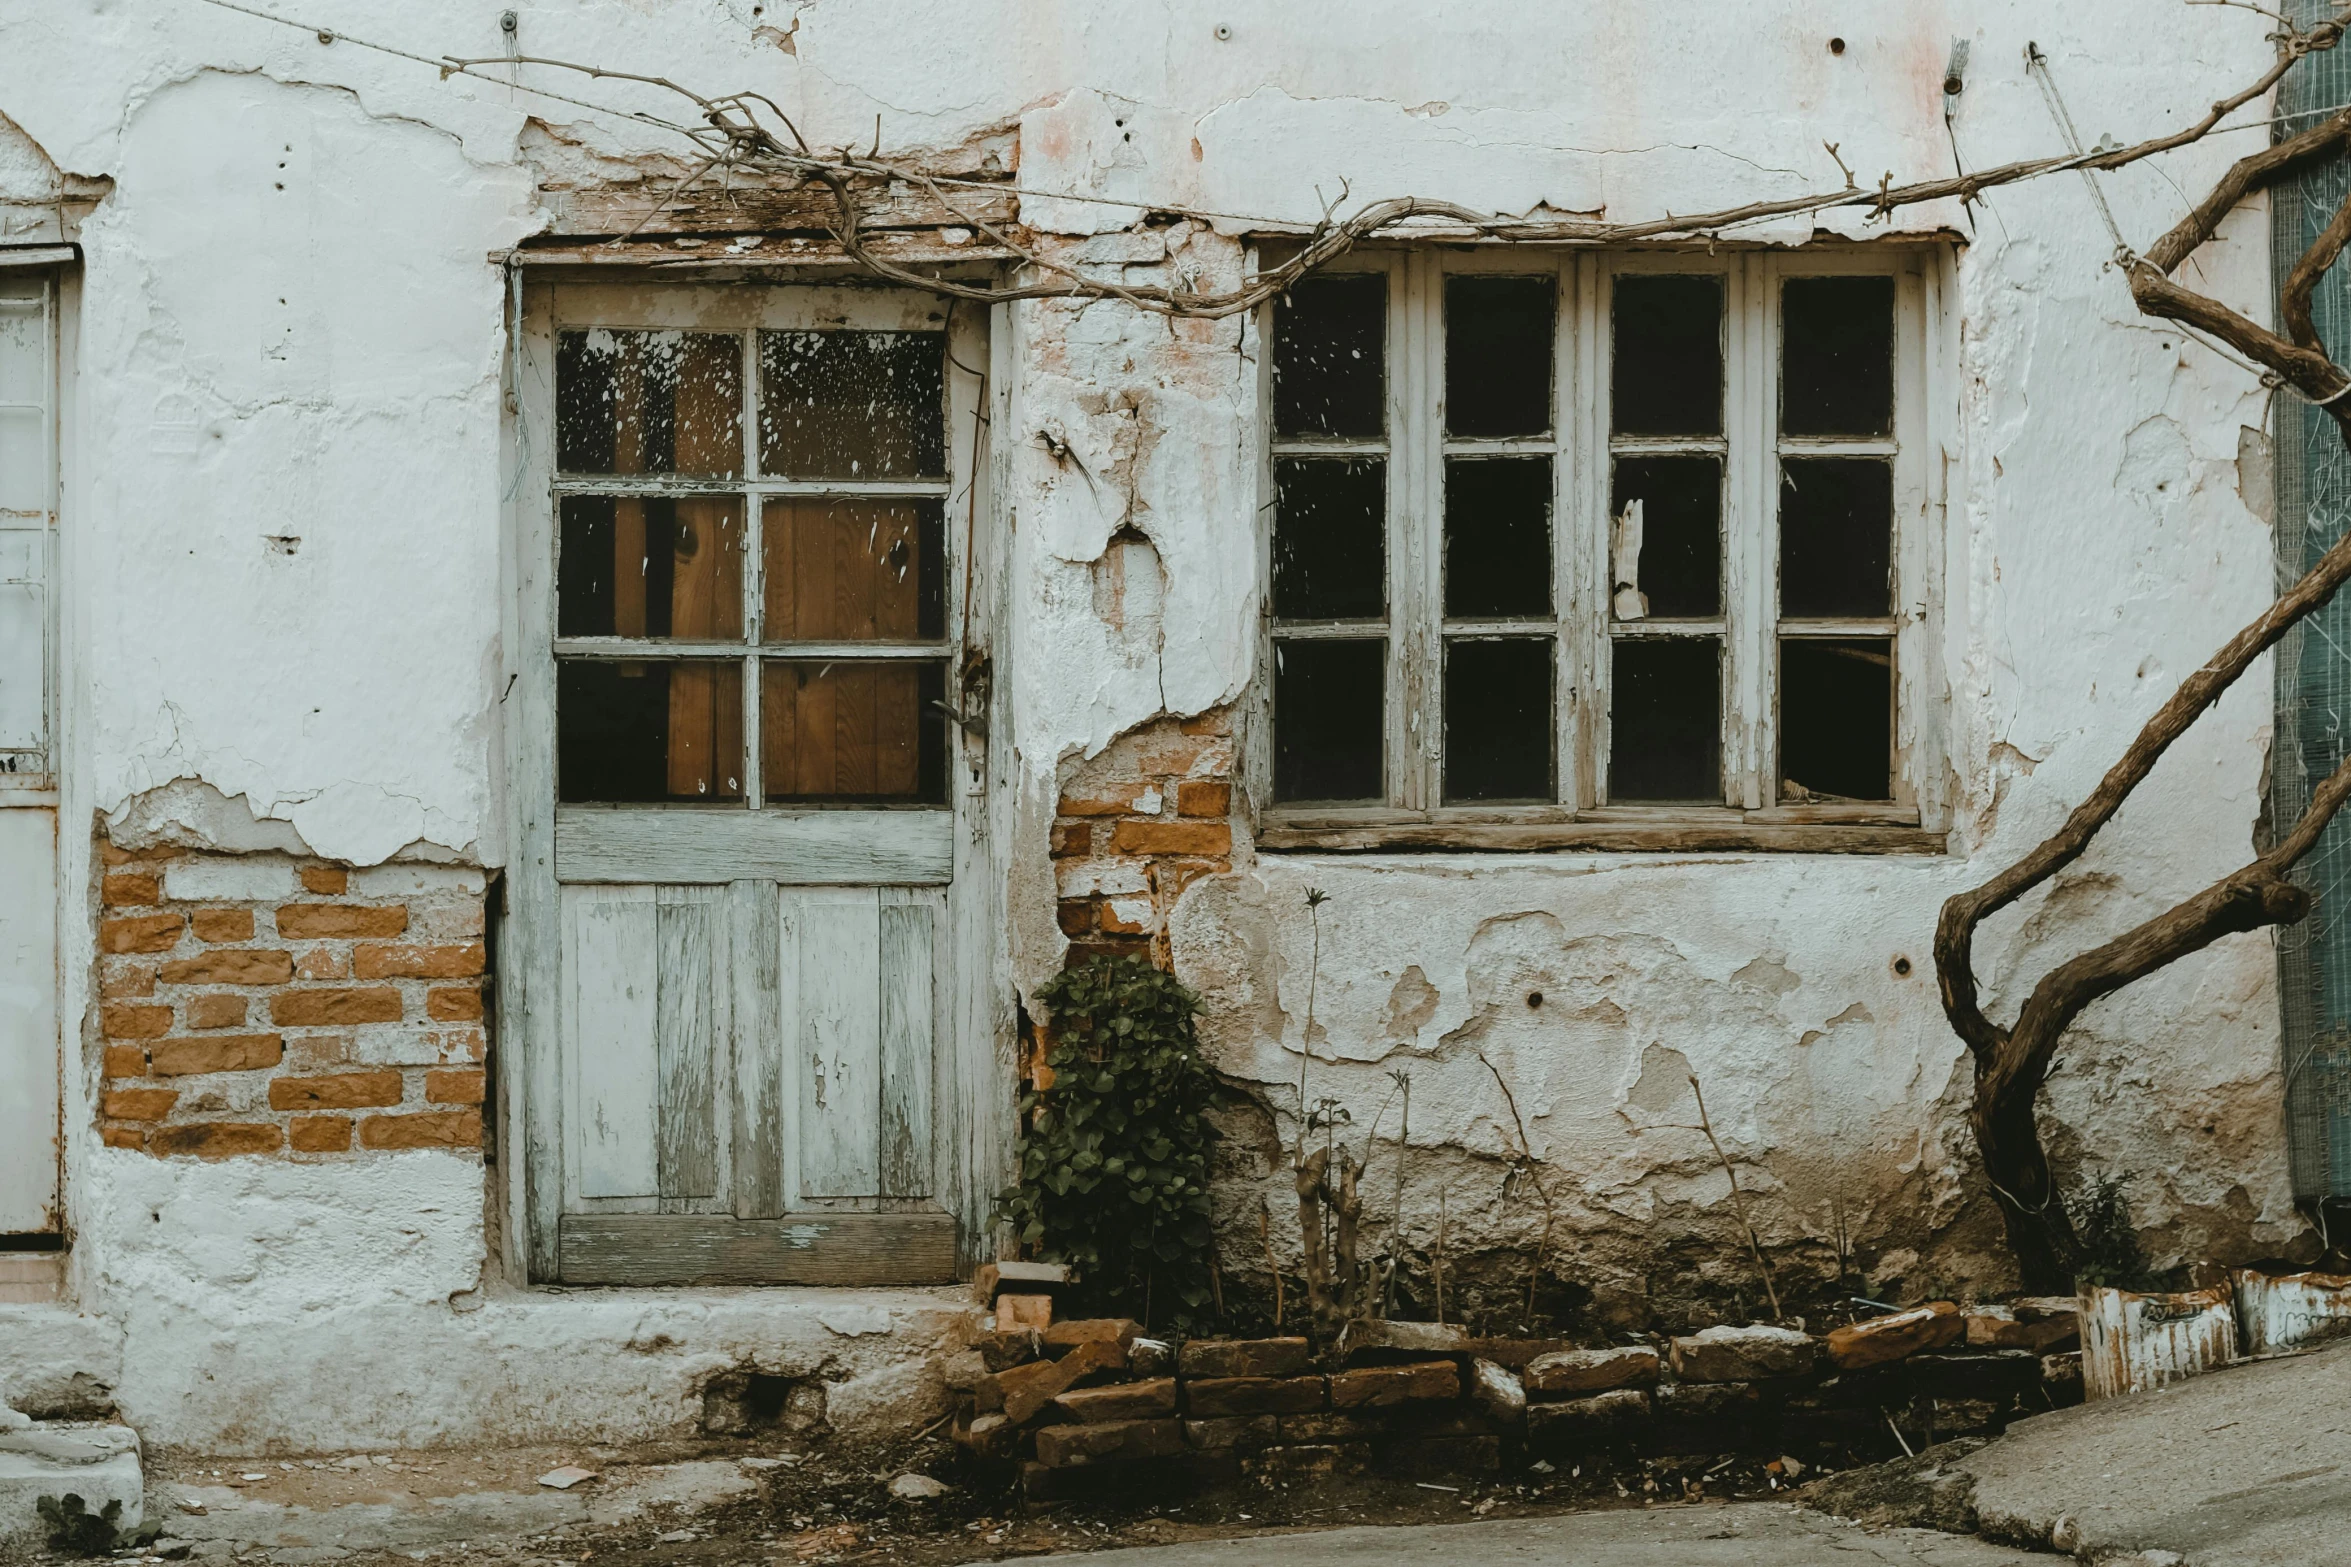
point(1114, 1157)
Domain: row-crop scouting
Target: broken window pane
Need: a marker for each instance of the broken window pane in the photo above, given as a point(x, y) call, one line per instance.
point(640, 730)
point(1667, 378)
point(1665, 538)
point(852, 405)
point(1498, 335)
point(1837, 356)
point(1665, 720)
point(1836, 536)
point(1328, 716)
point(1497, 536)
point(854, 732)
point(1330, 358)
point(1330, 556)
point(852, 570)
point(651, 566)
point(1499, 737)
point(1836, 719)
point(648, 402)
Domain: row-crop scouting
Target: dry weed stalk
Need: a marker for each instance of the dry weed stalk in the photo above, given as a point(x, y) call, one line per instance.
point(1705, 1124)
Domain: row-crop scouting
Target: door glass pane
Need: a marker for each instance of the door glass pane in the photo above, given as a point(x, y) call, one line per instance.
point(854, 570)
point(21, 686)
point(24, 351)
point(1667, 378)
point(1497, 536)
point(1836, 536)
point(640, 730)
point(848, 732)
point(1330, 358)
point(1328, 717)
point(651, 566)
point(852, 405)
point(1498, 335)
point(1665, 538)
point(24, 459)
point(1330, 554)
point(649, 402)
point(1836, 719)
point(1499, 734)
point(1665, 720)
point(1837, 356)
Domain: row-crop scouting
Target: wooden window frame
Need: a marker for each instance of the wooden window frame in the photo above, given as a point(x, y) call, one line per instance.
point(31, 556)
point(1414, 815)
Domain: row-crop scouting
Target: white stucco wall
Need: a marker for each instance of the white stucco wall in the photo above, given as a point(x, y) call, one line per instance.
point(290, 330)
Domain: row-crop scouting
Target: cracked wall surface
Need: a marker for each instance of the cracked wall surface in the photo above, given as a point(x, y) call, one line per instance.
point(283, 593)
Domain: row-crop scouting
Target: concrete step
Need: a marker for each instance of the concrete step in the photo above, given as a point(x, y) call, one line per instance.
point(76, 1468)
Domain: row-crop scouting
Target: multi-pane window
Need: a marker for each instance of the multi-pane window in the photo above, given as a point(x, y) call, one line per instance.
point(752, 596)
point(28, 488)
point(1556, 538)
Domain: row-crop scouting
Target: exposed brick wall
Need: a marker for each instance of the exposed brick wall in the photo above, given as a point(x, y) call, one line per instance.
point(1137, 824)
point(254, 1004)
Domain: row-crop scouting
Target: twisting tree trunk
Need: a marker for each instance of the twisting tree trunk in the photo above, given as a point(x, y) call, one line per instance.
point(2011, 1063)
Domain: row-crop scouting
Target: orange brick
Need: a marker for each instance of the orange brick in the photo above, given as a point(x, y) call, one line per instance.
point(324, 963)
point(138, 1104)
point(1216, 722)
point(126, 979)
point(140, 933)
point(382, 962)
point(217, 1053)
point(223, 924)
point(1076, 916)
point(115, 856)
point(1098, 805)
point(454, 1004)
point(215, 1139)
point(1071, 839)
point(1108, 918)
point(455, 1086)
point(1173, 753)
point(231, 966)
point(131, 889)
point(125, 1137)
point(1135, 837)
point(122, 1021)
point(216, 1011)
point(126, 1061)
point(345, 1091)
point(330, 881)
point(1196, 798)
point(334, 1008)
point(340, 921)
point(320, 1133)
point(432, 1129)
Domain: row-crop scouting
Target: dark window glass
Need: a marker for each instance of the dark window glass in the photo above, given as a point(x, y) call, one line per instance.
point(1330, 528)
point(651, 566)
point(851, 732)
point(648, 402)
point(1499, 736)
point(1665, 720)
point(852, 405)
point(1328, 717)
point(1498, 337)
point(1837, 356)
point(853, 570)
point(1667, 377)
point(1677, 569)
point(1836, 536)
point(1836, 719)
point(1330, 358)
point(1497, 535)
point(647, 730)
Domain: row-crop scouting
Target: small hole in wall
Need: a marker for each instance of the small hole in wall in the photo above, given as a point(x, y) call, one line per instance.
point(1836, 46)
point(1534, 998)
point(764, 1397)
point(1902, 966)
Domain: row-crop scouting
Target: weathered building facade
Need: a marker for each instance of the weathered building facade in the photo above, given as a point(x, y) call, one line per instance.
point(551, 724)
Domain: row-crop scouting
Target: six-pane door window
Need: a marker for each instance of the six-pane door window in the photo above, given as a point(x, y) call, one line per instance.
point(1611, 532)
point(751, 522)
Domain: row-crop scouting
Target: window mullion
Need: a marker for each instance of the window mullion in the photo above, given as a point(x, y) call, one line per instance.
point(1751, 601)
point(754, 582)
point(1409, 713)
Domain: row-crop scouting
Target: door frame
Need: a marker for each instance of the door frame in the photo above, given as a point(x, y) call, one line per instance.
point(973, 1117)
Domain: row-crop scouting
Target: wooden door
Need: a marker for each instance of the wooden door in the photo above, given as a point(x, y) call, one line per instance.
point(764, 818)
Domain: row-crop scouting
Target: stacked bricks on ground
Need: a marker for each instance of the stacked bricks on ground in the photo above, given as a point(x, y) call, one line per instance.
point(1081, 1405)
point(1136, 825)
point(259, 1004)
